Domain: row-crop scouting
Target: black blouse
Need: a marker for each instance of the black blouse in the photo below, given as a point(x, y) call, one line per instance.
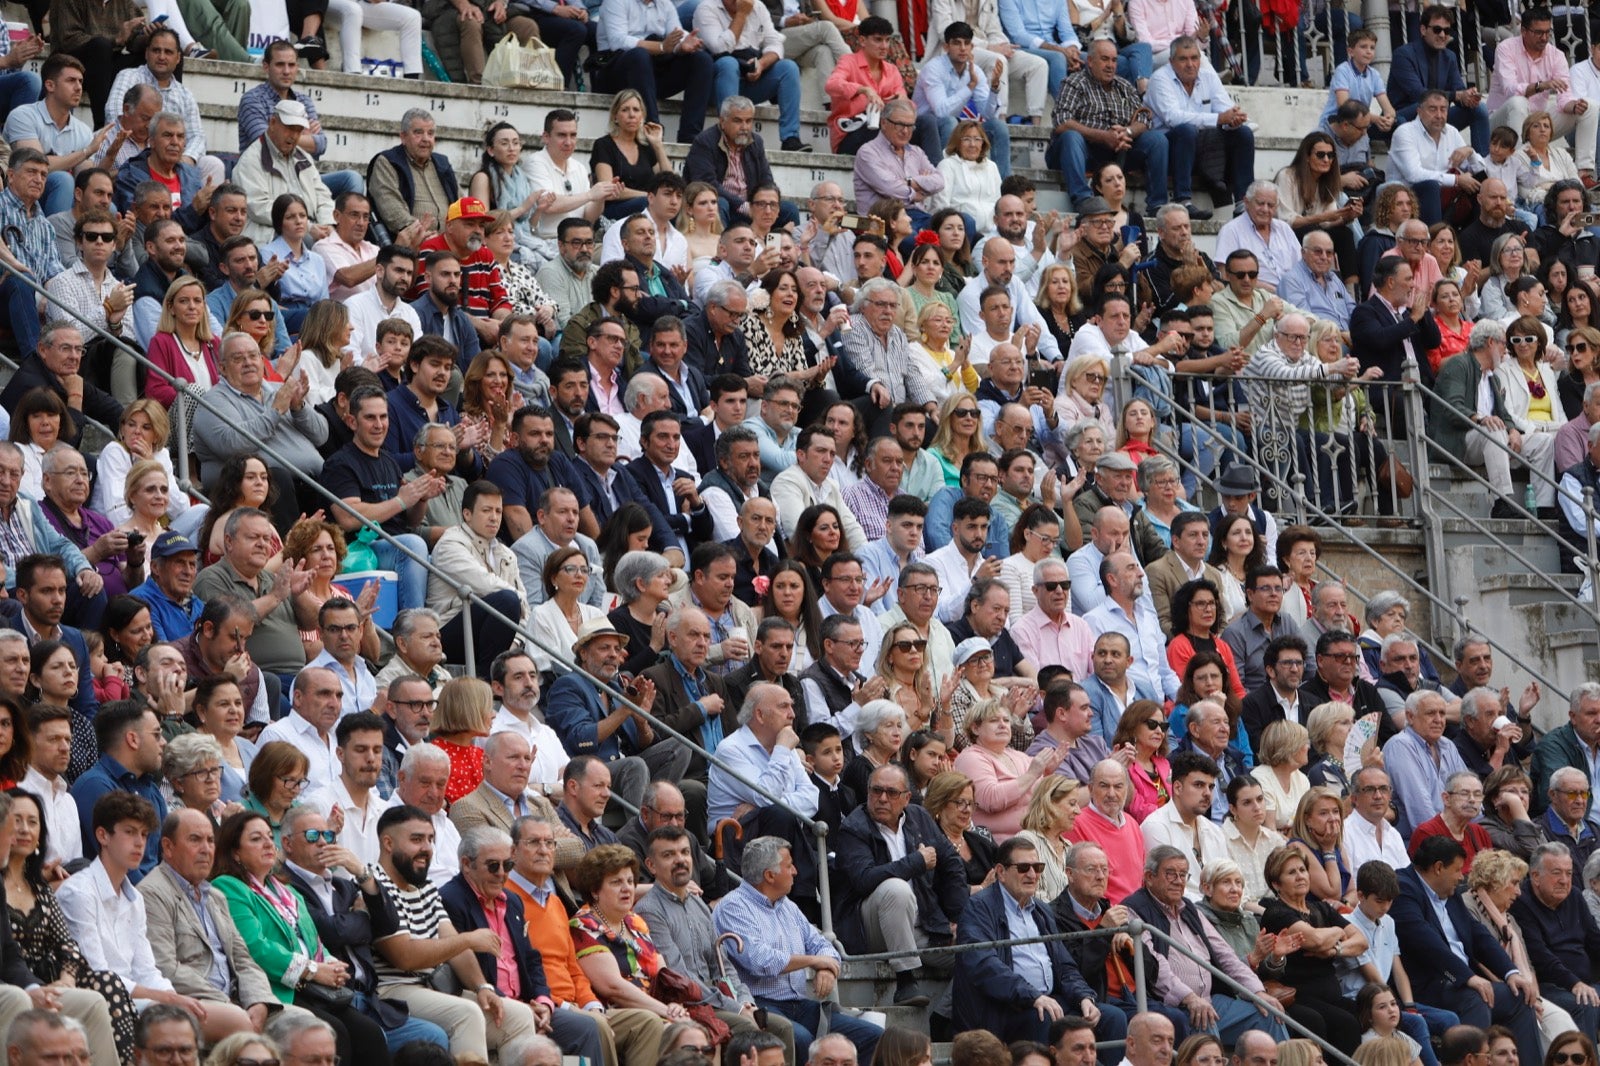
point(1277, 916)
point(633, 175)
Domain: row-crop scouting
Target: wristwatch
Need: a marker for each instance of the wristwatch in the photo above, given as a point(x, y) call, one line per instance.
point(308, 974)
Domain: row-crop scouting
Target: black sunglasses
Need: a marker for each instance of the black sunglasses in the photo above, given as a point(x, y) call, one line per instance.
point(100, 236)
point(1158, 724)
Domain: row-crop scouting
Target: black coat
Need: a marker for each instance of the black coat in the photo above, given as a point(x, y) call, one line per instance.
point(861, 863)
point(346, 933)
point(1377, 339)
point(708, 162)
point(1093, 952)
point(994, 996)
point(695, 526)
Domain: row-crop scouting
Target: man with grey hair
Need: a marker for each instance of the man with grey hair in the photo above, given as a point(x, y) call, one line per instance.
point(166, 160)
point(1420, 760)
point(38, 1035)
point(247, 546)
point(1400, 673)
point(1575, 744)
point(1562, 936)
point(788, 966)
point(1330, 610)
point(715, 342)
point(1313, 283)
point(1572, 439)
point(410, 182)
point(646, 393)
point(877, 355)
point(1585, 475)
point(1367, 832)
point(476, 898)
point(302, 1037)
point(1259, 230)
point(1105, 822)
point(889, 166)
point(693, 702)
point(420, 782)
point(1567, 818)
point(243, 410)
point(504, 796)
point(418, 649)
point(315, 708)
point(1484, 741)
point(39, 1027)
point(1186, 91)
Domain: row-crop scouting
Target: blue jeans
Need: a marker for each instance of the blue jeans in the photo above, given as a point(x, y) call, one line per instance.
point(340, 182)
point(1057, 64)
point(778, 84)
point(1071, 154)
point(1134, 62)
point(1430, 204)
point(413, 577)
point(412, 1030)
point(1475, 119)
point(18, 87)
point(999, 140)
point(57, 193)
point(1417, 1027)
point(1197, 445)
point(1235, 1017)
point(807, 1015)
point(22, 307)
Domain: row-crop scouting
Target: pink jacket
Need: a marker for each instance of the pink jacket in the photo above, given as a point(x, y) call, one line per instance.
point(847, 77)
point(1515, 70)
point(165, 353)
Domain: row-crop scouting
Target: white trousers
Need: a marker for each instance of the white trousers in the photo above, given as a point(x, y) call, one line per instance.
point(1584, 126)
point(1538, 453)
point(355, 15)
point(1027, 74)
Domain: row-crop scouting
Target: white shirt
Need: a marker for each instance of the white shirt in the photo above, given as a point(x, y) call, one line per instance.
point(1415, 156)
point(360, 832)
point(1174, 105)
point(109, 926)
point(60, 815)
point(547, 177)
point(955, 579)
point(322, 753)
point(1361, 843)
point(366, 311)
point(793, 491)
point(672, 248)
point(894, 838)
point(1165, 825)
point(446, 839)
point(1022, 306)
point(631, 447)
point(549, 757)
point(1276, 254)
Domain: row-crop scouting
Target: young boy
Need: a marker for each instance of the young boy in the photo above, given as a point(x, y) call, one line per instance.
point(1355, 79)
point(822, 750)
point(393, 339)
point(1513, 170)
point(1376, 888)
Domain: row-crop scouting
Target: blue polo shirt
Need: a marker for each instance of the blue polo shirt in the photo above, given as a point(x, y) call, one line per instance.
point(108, 775)
point(406, 419)
point(173, 621)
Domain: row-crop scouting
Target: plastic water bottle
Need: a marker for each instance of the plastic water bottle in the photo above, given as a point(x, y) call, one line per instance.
point(1529, 501)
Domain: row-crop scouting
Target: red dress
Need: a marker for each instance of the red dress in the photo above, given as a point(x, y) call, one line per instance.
point(466, 768)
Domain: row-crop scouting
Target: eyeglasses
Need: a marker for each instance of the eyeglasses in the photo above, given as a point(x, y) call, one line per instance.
point(1579, 346)
point(414, 704)
point(667, 816)
point(494, 866)
point(1054, 586)
point(174, 1052)
point(1298, 338)
point(965, 412)
point(786, 405)
point(326, 836)
point(1341, 656)
point(258, 316)
point(1098, 379)
point(205, 773)
point(1443, 28)
point(100, 236)
point(1267, 590)
point(853, 645)
point(1027, 867)
point(885, 792)
point(344, 630)
point(900, 125)
point(1375, 790)
point(575, 570)
point(1251, 274)
point(910, 645)
point(1572, 793)
point(1522, 340)
point(580, 243)
point(1413, 240)
point(293, 784)
point(920, 590)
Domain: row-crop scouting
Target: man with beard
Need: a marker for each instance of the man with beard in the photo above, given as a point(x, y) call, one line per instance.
point(515, 678)
point(1496, 215)
point(354, 791)
point(569, 399)
point(420, 402)
point(483, 290)
point(165, 248)
point(385, 298)
point(999, 268)
point(740, 257)
point(529, 468)
point(615, 291)
point(586, 720)
point(239, 267)
point(775, 429)
point(416, 937)
point(439, 308)
point(569, 277)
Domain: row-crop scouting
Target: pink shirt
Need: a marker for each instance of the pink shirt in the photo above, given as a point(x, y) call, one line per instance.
point(1515, 70)
point(1123, 845)
point(1160, 22)
point(506, 978)
point(1000, 801)
point(850, 74)
point(1069, 642)
point(607, 392)
point(1425, 276)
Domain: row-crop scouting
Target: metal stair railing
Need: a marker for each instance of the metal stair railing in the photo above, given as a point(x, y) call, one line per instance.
point(1124, 381)
point(562, 655)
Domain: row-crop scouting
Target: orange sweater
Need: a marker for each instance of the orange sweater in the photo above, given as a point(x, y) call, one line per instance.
point(551, 937)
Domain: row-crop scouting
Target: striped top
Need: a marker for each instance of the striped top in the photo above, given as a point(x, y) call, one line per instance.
point(420, 912)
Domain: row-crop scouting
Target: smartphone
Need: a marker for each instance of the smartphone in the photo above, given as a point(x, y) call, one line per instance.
point(853, 221)
point(158, 20)
point(1047, 379)
point(774, 241)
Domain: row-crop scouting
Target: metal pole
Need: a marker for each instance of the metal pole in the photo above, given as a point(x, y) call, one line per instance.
point(467, 638)
point(1594, 566)
point(1140, 993)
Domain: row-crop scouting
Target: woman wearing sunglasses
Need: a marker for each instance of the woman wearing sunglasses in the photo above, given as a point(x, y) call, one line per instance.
point(273, 919)
point(903, 663)
point(960, 432)
point(1140, 744)
point(1571, 1049)
point(1582, 343)
point(1529, 385)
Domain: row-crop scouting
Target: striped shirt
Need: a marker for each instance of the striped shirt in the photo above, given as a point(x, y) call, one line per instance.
point(420, 912)
point(30, 236)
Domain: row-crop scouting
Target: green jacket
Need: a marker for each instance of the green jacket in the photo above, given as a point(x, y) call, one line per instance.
point(1560, 747)
point(279, 949)
point(1449, 413)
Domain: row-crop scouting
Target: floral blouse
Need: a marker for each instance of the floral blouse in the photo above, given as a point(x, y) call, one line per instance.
point(765, 359)
point(637, 957)
point(522, 288)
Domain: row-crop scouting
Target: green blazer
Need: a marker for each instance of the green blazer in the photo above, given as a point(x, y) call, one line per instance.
point(272, 942)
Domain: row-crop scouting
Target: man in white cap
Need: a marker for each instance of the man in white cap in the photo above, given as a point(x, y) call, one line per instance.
point(276, 164)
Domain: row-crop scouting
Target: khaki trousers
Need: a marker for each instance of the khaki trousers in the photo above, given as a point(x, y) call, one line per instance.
point(633, 1031)
point(471, 1032)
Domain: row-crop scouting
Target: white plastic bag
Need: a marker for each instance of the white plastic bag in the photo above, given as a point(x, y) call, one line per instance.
point(514, 65)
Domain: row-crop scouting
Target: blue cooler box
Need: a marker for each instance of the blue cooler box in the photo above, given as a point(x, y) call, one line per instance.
point(388, 604)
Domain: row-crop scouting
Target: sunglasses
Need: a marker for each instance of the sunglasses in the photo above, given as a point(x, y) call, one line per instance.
point(1580, 346)
point(965, 412)
point(1251, 274)
point(1158, 724)
point(1321, 155)
point(326, 836)
point(1523, 340)
point(258, 316)
point(99, 235)
point(910, 645)
point(494, 866)
point(1561, 1058)
point(1055, 586)
point(1027, 867)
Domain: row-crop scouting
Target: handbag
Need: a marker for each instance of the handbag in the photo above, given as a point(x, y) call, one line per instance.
point(334, 999)
point(1394, 474)
point(1279, 991)
point(673, 986)
point(515, 65)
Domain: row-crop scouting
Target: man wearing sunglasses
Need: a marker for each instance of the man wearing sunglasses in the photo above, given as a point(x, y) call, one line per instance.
point(1428, 62)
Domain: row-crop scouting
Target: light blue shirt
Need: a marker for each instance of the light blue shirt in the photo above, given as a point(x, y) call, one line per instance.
point(941, 510)
point(358, 694)
point(1327, 298)
point(1144, 636)
point(779, 772)
point(1441, 908)
point(624, 23)
point(879, 561)
point(219, 301)
point(32, 122)
point(945, 91)
point(1419, 774)
point(1030, 961)
point(776, 455)
point(1083, 567)
point(770, 934)
point(1363, 86)
point(306, 280)
point(1176, 106)
point(1031, 23)
point(1383, 947)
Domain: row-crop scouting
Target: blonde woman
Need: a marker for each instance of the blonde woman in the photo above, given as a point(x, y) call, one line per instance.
point(631, 153)
point(960, 434)
point(700, 222)
point(144, 490)
point(1384, 1051)
point(1058, 302)
point(971, 178)
point(1083, 393)
point(1329, 727)
point(183, 344)
point(943, 365)
point(466, 710)
point(1285, 749)
point(1493, 884)
point(141, 434)
point(324, 336)
point(1003, 778)
point(903, 663)
point(1051, 814)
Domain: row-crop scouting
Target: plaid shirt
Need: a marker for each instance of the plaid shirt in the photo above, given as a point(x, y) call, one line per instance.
point(1085, 100)
point(175, 97)
point(75, 287)
point(871, 506)
point(30, 237)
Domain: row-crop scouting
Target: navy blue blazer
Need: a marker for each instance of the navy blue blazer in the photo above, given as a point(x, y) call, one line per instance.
point(466, 914)
point(84, 702)
point(992, 990)
point(698, 391)
point(1377, 338)
point(647, 308)
point(574, 711)
point(694, 527)
point(626, 490)
point(346, 932)
point(861, 863)
point(1433, 966)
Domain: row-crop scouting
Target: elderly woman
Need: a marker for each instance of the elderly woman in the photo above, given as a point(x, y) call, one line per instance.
point(1050, 817)
point(880, 730)
point(1003, 778)
point(1318, 834)
point(1083, 393)
point(950, 798)
point(1386, 614)
point(219, 708)
point(971, 178)
point(612, 943)
point(1162, 488)
point(1140, 744)
point(642, 581)
point(1226, 903)
point(192, 767)
point(1493, 885)
point(277, 777)
point(1285, 750)
point(1325, 937)
point(1328, 728)
point(1506, 796)
point(974, 672)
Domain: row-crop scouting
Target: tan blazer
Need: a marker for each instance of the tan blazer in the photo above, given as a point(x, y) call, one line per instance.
point(482, 807)
point(1164, 576)
point(183, 950)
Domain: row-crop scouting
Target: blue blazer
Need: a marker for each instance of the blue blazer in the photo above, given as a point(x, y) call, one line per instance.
point(574, 711)
point(1435, 968)
point(84, 703)
point(1107, 709)
point(993, 994)
point(695, 527)
point(466, 914)
point(626, 490)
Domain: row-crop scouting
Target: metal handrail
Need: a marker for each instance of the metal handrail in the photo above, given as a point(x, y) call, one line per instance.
point(562, 655)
